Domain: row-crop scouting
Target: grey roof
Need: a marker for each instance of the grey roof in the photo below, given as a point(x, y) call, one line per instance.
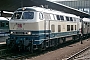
point(70, 10)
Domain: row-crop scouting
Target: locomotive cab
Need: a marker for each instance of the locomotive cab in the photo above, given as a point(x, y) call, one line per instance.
point(25, 20)
point(23, 15)
point(24, 27)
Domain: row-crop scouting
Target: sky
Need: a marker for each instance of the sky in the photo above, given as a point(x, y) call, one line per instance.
point(61, 0)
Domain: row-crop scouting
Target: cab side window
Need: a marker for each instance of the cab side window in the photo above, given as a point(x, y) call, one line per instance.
point(40, 16)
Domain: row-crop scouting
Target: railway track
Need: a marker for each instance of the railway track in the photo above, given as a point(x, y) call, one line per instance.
point(4, 54)
point(3, 46)
point(19, 56)
point(16, 56)
point(72, 57)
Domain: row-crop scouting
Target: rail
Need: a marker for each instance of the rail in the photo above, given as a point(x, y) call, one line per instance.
point(77, 54)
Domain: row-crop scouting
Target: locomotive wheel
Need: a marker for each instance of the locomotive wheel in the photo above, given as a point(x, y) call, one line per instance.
point(61, 41)
point(74, 37)
point(56, 42)
point(40, 47)
point(29, 48)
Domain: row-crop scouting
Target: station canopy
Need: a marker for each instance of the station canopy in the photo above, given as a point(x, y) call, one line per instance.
point(12, 5)
point(64, 8)
point(72, 10)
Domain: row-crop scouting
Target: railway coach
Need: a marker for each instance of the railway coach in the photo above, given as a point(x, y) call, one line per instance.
point(39, 28)
point(86, 27)
point(4, 26)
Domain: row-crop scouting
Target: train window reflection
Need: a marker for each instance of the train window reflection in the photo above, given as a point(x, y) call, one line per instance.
point(68, 27)
point(28, 15)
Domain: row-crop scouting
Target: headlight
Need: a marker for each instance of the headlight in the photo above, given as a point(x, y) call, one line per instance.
point(29, 33)
point(12, 32)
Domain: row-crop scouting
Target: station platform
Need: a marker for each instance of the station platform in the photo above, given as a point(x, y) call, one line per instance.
point(3, 35)
point(3, 39)
point(2, 43)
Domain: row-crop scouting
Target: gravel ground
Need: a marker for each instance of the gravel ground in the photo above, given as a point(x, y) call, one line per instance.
point(84, 56)
point(62, 53)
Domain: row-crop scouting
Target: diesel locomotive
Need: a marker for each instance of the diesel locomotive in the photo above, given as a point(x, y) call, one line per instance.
point(34, 28)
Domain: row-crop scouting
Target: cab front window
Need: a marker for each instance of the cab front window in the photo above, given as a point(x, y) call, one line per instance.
point(17, 15)
point(28, 15)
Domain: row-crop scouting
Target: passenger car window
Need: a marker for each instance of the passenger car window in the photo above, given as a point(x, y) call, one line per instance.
point(68, 27)
point(59, 28)
point(75, 27)
point(47, 16)
point(71, 27)
point(58, 18)
point(53, 28)
point(67, 18)
point(71, 19)
point(62, 18)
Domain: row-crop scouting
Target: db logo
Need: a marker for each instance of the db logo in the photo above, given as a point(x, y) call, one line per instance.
point(19, 25)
